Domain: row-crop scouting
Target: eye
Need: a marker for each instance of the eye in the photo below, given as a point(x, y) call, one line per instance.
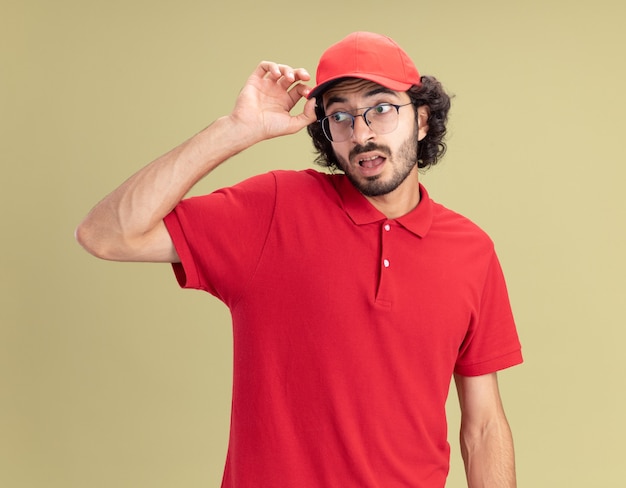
point(381, 108)
point(340, 117)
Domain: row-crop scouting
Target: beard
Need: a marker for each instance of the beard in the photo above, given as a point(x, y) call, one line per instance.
point(405, 160)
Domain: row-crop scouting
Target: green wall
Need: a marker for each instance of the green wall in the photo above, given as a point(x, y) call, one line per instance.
point(110, 376)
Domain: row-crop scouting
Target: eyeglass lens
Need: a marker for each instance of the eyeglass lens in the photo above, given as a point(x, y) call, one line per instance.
point(381, 119)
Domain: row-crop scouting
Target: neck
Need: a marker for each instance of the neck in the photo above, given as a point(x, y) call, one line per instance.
point(400, 201)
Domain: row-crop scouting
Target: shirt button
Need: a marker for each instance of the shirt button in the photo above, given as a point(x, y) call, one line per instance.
point(386, 263)
point(387, 227)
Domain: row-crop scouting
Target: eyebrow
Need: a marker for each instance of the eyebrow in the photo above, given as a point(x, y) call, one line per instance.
point(371, 93)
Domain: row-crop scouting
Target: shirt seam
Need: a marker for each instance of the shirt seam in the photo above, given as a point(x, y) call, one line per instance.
point(490, 360)
point(246, 287)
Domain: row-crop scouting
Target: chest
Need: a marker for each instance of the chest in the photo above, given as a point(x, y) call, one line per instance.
point(380, 276)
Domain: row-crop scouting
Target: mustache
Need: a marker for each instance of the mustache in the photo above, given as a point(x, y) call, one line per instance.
point(370, 146)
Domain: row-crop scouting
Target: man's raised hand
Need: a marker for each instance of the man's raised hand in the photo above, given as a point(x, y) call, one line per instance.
point(263, 107)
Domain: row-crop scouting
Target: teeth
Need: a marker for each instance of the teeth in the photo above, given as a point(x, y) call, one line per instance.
point(369, 159)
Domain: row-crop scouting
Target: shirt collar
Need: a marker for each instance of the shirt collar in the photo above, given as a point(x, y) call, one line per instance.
point(361, 211)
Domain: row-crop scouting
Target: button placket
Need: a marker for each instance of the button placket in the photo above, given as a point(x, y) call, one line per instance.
point(383, 297)
point(386, 262)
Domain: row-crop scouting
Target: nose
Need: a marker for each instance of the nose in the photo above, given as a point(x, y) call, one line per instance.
point(361, 131)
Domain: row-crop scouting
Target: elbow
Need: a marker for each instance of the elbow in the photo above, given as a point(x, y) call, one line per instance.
point(109, 240)
point(93, 241)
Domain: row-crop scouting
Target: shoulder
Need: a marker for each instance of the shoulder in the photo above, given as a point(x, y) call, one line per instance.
point(306, 183)
point(307, 177)
point(453, 225)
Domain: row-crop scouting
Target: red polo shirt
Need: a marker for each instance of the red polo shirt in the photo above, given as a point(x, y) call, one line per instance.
point(347, 327)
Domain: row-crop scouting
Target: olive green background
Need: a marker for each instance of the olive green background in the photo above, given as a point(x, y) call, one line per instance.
point(110, 376)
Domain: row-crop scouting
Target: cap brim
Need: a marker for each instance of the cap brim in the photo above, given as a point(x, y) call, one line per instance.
point(381, 80)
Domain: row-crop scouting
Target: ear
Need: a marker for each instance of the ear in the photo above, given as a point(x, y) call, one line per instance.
point(423, 112)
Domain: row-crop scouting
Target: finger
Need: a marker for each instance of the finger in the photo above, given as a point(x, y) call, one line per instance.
point(296, 76)
point(296, 92)
point(286, 80)
point(299, 91)
point(288, 73)
point(301, 74)
point(292, 75)
point(275, 71)
point(268, 69)
point(309, 110)
point(307, 117)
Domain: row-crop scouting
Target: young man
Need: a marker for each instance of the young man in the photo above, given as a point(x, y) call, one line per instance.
point(355, 298)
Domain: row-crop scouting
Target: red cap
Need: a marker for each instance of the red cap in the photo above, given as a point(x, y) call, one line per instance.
point(368, 56)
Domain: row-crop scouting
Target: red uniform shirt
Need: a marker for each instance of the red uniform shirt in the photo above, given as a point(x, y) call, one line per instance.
point(347, 327)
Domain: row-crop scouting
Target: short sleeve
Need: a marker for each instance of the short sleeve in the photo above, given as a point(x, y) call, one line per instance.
point(220, 237)
point(492, 342)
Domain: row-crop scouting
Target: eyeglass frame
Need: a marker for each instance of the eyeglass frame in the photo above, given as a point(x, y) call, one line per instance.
point(366, 110)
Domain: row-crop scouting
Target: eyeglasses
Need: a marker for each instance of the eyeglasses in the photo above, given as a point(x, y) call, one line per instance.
point(381, 118)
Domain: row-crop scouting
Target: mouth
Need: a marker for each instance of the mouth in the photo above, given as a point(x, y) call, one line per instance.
point(371, 162)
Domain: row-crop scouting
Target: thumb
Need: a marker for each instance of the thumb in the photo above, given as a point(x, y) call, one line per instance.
point(308, 112)
point(307, 116)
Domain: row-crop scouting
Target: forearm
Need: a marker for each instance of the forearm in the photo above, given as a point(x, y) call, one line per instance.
point(128, 224)
point(489, 456)
point(116, 227)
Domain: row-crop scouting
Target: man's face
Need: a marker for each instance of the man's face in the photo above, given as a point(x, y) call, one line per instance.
point(376, 164)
